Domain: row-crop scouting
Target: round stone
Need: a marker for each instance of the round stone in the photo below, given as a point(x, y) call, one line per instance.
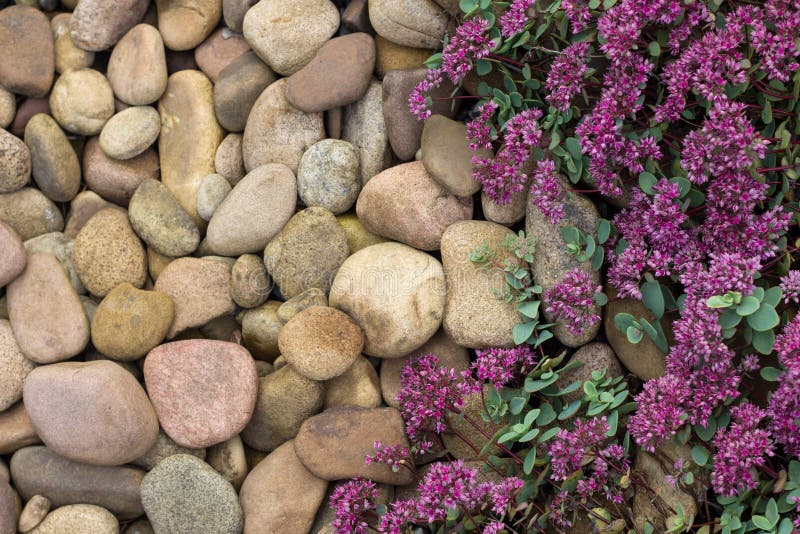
point(8, 107)
point(364, 127)
point(26, 46)
point(416, 23)
point(161, 222)
point(164, 447)
point(321, 342)
point(107, 253)
point(113, 179)
point(328, 176)
point(358, 386)
point(54, 164)
point(13, 253)
point(82, 101)
point(128, 133)
point(93, 412)
point(250, 283)
point(238, 87)
point(15, 162)
point(213, 190)
point(30, 213)
point(204, 391)
point(228, 160)
point(34, 512)
point(137, 68)
point(129, 322)
point(183, 494)
point(86, 518)
point(260, 329)
point(184, 25)
point(14, 367)
point(398, 316)
point(97, 25)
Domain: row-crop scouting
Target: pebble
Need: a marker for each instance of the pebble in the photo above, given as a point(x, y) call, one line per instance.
point(358, 386)
point(8, 107)
point(9, 508)
point(67, 54)
point(81, 209)
point(33, 513)
point(16, 429)
point(184, 25)
point(405, 204)
point(200, 289)
point(474, 317)
point(287, 33)
point(416, 23)
point(218, 51)
point(160, 221)
point(260, 329)
point(113, 179)
point(184, 495)
point(356, 18)
point(13, 253)
point(276, 131)
point(596, 356)
point(285, 399)
point(107, 252)
point(391, 56)
point(253, 212)
point(14, 367)
point(203, 391)
point(250, 283)
point(328, 176)
point(552, 261)
point(306, 299)
point(332, 445)
point(343, 66)
point(238, 86)
point(83, 518)
point(54, 164)
point(27, 109)
point(358, 237)
point(364, 127)
point(233, 12)
point(213, 190)
point(26, 46)
point(40, 471)
point(321, 342)
point(129, 322)
point(47, 317)
point(294, 494)
point(506, 214)
point(93, 412)
point(447, 156)
point(82, 101)
point(229, 460)
point(396, 317)
point(654, 472)
point(228, 160)
point(61, 246)
point(645, 359)
point(137, 68)
point(140, 526)
point(130, 132)
point(450, 355)
point(165, 447)
point(15, 163)
point(30, 213)
point(307, 252)
point(97, 25)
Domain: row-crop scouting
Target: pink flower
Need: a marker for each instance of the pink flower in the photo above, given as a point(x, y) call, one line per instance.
point(350, 501)
point(501, 366)
point(741, 448)
point(395, 456)
point(790, 286)
point(546, 193)
point(565, 78)
point(571, 301)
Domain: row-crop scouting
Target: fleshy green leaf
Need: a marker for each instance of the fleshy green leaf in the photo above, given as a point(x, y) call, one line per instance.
point(700, 455)
point(647, 181)
point(765, 318)
point(770, 374)
point(547, 415)
point(570, 234)
point(718, 301)
point(529, 309)
point(706, 432)
point(653, 298)
point(570, 410)
point(603, 231)
point(763, 341)
point(748, 305)
point(634, 334)
point(623, 320)
point(772, 296)
point(530, 459)
point(522, 332)
point(762, 522)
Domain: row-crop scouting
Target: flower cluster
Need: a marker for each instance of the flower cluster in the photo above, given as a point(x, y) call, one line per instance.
point(501, 366)
point(565, 78)
point(790, 287)
point(546, 192)
point(784, 406)
point(571, 301)
point(395, 456)
point(350, 501)
point(515, 18)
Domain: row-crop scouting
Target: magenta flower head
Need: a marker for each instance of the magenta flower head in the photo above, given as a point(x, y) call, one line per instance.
point(350, 501)
point(500, 366)
point(741, 449)
point(572, 301)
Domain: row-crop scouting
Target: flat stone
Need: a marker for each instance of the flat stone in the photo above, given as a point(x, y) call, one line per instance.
point(13, 254)
point(82, 101)
point(137, 68)
point(447, 156)
point(321, 342)
point(189, 137)
point(328, 176)
point(343, 66)
point(396, 318)
point(416, 23)
point(84, 518)
point(34, 512)
point(185, 24)
point(129, 322)
point(276, 131)
point(203, 391)
point(307, 252)
point(405, 204)
point(260, 329)
point(130, 132)
point(61, 246)
point(98, 25)
point(165, 447)
point(117, 180)
point(285, 399)
point(54, 164)
point(358, 386)
point(228, 160)
point(16, 430)
point(26, 46)
point(93, 412)
point(200, 289)
point(250, 283)
point(30, 213)
point(253, 212)
point(40, 471)
point(160, 221)
point(14, 367)
point(306, 299)
point(228, 459)
point(392, 56)
point(294, 494)
point(47, 316)
point(184, 495)
point(287, 33)
point(238, 86)
point(107, 253)
point(218, 51)
point(332, 445)
point(15, 162)
point(363, 126)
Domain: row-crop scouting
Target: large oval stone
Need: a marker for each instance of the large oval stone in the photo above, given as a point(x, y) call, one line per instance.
point(97, 25)
point(185, 23)
point(47, 317)
point(54, 164)
point(238, 87)
point(405, 204)
point(15, 163)
point(30, 213)
point(40, 471)
point(204, 391)
point(416, 23)
point(93, 412)
point(78, 518)
point(364, 127)
point(82, 101)
point(113, 179)
point(137, 68)
point(14, 367)
point(26, 46)
point(395, 293)
point(161, 222)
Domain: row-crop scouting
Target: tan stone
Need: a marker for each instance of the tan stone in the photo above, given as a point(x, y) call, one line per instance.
point(26, 46)
point(16, 430)
point(358, 386)
point(218, 51)
point(82, 101)
point(185, 23)
point(30, 213)
point(137, 68)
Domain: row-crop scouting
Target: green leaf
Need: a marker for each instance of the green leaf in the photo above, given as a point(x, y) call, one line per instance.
point(570, 410)
point(684, 185)
point(613, 422)
point(600, 298)
point(517, 404)
point(634, 334)
point(529, 435)
point(700, 455)
point(547, 434)
point(688, 478)
point(623, 320)
point(765, 318)
point(603, 231)
point(718, 301)
point(547, 415)
point(766, 113)
point(544, 335)
point(532, 386)
point(772, 511)
point(530, 459)
point(654, 48)
point(763, 341)
point(648, 328)
point(570, 234)
point(748, 305)
point(597, 259)
point(467, 6)
point(653, 298)
point(589, 389)
point(529, 309)
point(508, 436)
point(729, 319)
point(762, 522)
point(706, 432)
point(522, 332)
point(770, 374)
point(772, 296)
point(647, 181)
point(434, 61)
point(483, 67)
